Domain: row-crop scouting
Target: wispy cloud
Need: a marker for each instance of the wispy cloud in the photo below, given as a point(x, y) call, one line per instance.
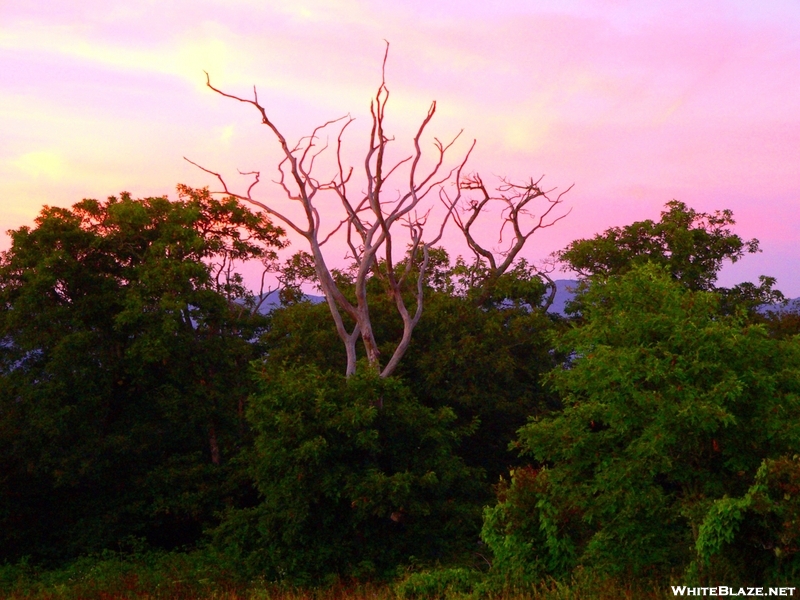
point(635, 102)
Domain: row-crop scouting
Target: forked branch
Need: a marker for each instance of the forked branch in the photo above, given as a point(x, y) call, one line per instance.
point(370, 222)
point(517, 202)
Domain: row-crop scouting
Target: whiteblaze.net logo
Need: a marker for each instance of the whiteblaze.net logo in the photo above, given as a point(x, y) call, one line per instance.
point(722, 590)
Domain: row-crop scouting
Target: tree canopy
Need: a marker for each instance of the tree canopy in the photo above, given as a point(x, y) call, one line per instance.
point(669, 406)
point(691, 245)
point(144, 400)
point(124, 329)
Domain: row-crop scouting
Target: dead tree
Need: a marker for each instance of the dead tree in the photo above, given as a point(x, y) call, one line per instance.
point(517, 202)
point(371, 221)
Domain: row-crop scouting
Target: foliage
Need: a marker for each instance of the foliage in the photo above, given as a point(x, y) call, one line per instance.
point(110, 574)
point(659, 394)
point(760, 528)
point(201, 573)
point(486, 364)
point(196, 575)
point(690, 245)
point(120, 338)
point(470, 584)
point(484, 361)
point(355, 477)
point(441, 583)
point(662, 444)
point(522, 530)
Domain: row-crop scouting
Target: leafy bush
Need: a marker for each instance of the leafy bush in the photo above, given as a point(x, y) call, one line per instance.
point(670, 406)
point(138, 574)
point(442, 583)
point(525, 530)
point(355, 476)
point(756, 536)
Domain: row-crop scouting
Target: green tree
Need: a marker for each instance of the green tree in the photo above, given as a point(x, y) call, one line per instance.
point(355, 478)
point(482, 355)
point(692, 247)
point(125, 342)
point(669, 406)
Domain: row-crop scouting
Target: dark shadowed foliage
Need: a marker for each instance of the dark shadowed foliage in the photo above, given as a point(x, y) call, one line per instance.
point(123, 363)
point(484, 361)
point(356, 477)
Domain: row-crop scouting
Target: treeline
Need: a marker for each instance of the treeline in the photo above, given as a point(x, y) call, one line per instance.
point(147, 402)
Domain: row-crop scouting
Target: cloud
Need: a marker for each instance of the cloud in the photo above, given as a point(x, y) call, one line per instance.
point(207, 46)
point(226, 134)
point(41, 163)
point(633, 102)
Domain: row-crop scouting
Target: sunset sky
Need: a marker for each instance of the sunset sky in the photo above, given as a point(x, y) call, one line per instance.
point(633, 102)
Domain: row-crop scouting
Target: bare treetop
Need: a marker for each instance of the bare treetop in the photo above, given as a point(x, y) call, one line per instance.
point(370, 220)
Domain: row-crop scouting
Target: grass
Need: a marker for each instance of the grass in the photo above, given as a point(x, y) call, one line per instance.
point(189, 576)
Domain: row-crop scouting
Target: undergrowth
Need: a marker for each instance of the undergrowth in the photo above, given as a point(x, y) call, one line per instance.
point(205, 576)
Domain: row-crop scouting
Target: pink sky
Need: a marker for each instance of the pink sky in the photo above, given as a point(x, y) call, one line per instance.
point(635, 103)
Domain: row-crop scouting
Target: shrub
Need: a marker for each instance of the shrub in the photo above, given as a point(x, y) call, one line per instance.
point(670, 408)
point(355, 476)
point(441, 583)
point(755, 537)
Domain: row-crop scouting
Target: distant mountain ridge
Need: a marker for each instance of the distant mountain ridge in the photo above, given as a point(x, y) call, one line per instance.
point(791, 305)
point(272, 300)
point(565, 292)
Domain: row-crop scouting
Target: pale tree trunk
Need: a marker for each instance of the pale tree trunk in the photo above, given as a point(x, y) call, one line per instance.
point(370, 222)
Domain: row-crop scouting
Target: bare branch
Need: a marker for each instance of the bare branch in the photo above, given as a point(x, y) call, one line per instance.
point(372, 219)
point(334, 230)
point(249, 199)
point(516, 199)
